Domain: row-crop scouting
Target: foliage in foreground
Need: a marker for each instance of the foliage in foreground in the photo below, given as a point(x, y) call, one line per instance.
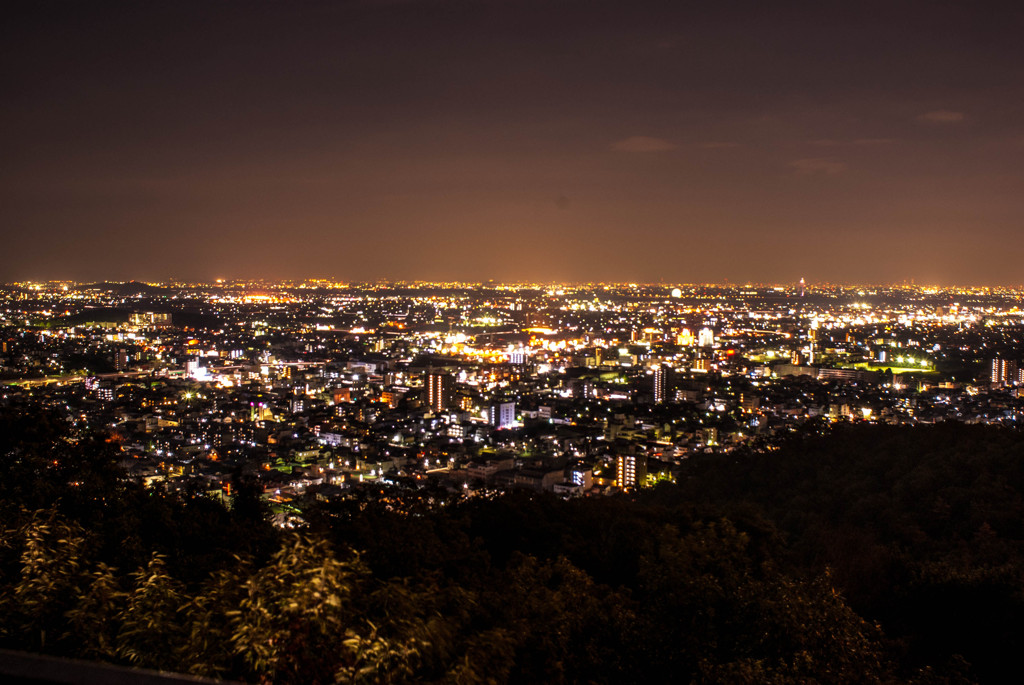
point(702, 610)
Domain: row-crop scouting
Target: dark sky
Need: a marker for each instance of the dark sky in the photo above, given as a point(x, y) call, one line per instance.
point(514, 140)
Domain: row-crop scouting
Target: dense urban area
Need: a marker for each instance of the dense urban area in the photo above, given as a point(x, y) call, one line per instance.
point(318, 387)
point(321, 482)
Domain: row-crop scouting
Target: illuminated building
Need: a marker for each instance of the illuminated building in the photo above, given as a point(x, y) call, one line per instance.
point(630, 470)
point(813, 335)
point(662, 380)
point(706, 337)
point(1004, 371)
point(149, 319)
point(583, 476)
point(709, 435)
point(502, 414)
point(439, 390)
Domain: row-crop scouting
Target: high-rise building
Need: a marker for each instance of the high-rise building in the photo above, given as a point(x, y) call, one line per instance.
point(706, 337)
point(439, 390)
point(1004, 371)
point(121, 359)
point(502, 414)
point(630, 470)
point(812, 335)
point(662, 383)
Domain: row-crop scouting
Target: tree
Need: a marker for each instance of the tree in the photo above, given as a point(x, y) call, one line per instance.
point(48, 584)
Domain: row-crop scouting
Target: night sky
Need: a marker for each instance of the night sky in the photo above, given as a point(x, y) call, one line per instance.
point(513, 140)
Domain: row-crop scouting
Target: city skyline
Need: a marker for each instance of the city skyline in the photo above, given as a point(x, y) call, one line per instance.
point(514, 141)
point(795, 288)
